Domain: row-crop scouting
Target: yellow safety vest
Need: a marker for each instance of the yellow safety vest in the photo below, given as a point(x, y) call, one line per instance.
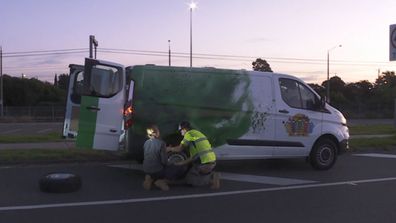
point(199, 146)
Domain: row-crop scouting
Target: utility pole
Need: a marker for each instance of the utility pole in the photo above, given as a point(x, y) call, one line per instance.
point(1, 82)
point(169, 53)
point(92, 43)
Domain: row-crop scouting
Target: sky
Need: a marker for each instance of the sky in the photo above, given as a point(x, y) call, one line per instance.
point(292, 36)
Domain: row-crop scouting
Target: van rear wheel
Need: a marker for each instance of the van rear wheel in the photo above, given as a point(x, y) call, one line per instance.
point(323, 155)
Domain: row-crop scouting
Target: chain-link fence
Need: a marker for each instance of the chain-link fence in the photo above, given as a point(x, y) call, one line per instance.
point(53, 113)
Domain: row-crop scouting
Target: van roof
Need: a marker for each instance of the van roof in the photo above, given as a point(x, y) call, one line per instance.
point(207, 69)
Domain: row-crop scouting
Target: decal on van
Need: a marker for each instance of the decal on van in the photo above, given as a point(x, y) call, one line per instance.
point(258, 121)
point(299, 125)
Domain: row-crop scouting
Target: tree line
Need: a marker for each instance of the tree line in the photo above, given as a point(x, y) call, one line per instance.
point(22, 91)
point(361, 99)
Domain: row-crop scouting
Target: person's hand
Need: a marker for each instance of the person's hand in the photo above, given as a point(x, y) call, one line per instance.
point(169, 149)
point(180, 163)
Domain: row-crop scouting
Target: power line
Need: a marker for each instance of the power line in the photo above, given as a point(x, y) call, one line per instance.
point(43, 54)
point(46, 51)
point(186, 55)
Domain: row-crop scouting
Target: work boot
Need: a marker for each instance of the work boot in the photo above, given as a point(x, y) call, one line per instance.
point(148, 181)
point(161, 184)
point(215, 181)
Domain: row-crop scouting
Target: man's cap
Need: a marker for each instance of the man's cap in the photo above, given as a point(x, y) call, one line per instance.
point(184, 125)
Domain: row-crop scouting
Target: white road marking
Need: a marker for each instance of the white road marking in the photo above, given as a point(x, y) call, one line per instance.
point(191, 196)
point(377, 155)
point(11, 131)
point(239, 177)
point(264, 179)
point(131, 166)
point(44, 130)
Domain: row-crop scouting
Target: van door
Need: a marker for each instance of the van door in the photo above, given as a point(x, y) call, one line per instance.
point(101, 110)
point(298, 119)
point(74, 91)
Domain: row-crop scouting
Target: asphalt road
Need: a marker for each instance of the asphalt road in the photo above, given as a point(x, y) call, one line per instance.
point(30, 128)
point(360, 188)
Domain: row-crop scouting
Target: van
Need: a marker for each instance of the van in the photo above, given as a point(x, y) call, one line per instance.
point(244, 114)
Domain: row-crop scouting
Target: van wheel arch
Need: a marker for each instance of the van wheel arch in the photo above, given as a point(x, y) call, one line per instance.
point(324, 152)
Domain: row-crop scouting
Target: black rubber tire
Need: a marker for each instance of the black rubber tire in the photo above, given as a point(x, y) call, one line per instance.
point(60, 183)
point(174, 172)
point(174, 157)
point(323, 155)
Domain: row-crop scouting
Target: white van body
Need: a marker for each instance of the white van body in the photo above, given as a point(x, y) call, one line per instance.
point(245, 114)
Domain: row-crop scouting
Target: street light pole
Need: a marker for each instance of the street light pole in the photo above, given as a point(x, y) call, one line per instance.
point(92, 43)
point(328, 72)
point(169, 52)
point(193, 5)
point(1, 82)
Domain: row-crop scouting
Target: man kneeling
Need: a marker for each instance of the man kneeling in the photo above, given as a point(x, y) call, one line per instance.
point(202, 158)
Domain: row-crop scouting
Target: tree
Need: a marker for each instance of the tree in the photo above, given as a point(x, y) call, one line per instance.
point(261, 65)
point(56, 80)
point(385, 92)
point(30, 92)
point(63, 81)
point(359, 97)
point(387, 79)
point(319, 89)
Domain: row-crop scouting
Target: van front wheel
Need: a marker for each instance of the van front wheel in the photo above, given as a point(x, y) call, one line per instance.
point(323, 155)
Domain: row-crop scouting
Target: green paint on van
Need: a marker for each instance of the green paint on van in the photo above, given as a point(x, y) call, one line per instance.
point(217, 102)
point(87, 124)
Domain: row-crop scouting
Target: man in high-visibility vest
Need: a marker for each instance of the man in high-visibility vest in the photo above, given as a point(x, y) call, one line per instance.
point(201, 157)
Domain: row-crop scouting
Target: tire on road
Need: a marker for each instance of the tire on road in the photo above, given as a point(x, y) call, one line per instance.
point(174, 172)
point(60, 183)
point(324, 154)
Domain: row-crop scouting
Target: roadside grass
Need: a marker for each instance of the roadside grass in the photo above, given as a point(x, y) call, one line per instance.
point(50, 137)
point(372, 129)
point(51, 155)
point(383, 143)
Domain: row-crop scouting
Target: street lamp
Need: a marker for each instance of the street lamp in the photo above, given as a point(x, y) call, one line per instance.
point(328, 72)
point(193, 6)
point(1, 82)
point(169, 52)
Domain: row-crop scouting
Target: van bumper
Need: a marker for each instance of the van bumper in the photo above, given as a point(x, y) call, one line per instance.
point(344, 146)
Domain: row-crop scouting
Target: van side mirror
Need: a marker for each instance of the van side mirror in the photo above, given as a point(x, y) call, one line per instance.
point(323, 102)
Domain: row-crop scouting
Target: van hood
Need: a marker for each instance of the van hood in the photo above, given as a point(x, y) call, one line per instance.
point(336, 115)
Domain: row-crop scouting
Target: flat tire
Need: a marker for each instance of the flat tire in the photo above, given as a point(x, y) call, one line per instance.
point(60, 183)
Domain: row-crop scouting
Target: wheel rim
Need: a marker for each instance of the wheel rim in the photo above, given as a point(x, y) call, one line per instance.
point(173, 158)
point(325, 155)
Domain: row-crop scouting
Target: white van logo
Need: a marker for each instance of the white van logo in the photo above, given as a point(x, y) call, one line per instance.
point(299, 125)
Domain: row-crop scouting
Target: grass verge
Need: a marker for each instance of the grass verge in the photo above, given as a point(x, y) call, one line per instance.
point(372, 129)
point(383, 143)
point(50, 137)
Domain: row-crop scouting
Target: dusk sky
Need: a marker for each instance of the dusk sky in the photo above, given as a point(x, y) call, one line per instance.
point(293, 36)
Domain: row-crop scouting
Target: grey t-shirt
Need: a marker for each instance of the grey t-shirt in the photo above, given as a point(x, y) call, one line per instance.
point(155, 157)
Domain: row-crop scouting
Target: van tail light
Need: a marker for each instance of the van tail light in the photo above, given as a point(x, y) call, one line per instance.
point(128, 112)
point(128, 123)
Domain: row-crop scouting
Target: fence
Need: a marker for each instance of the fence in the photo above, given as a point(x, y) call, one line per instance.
point(53, 113)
